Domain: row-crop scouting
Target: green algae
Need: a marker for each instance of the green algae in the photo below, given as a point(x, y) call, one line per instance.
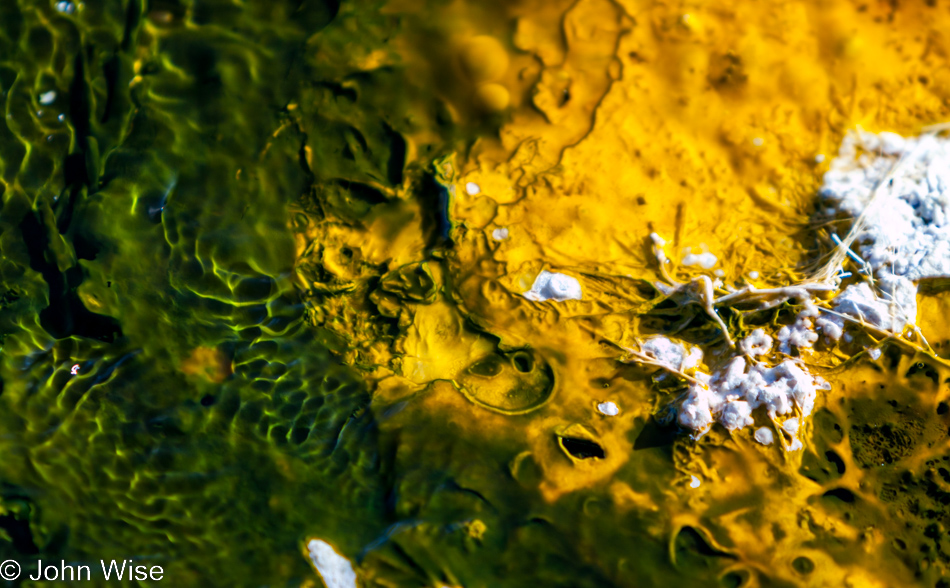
point(144, 228)
point(144, 217)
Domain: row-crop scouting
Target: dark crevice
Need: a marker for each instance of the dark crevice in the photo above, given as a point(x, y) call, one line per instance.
point(367, 194)
point(654, 434)
point(582, 448)
point(735, 579)
point(79, 106)
point(803, 565)
point(133, 17)
point(436, 225)
point(65, 207)
point(360, 138)
point(690, 539)
point(666, 304)
point(74, 169)
point(85, 248)
point(835, 459)
point(926, 370)
point(81, 166)
point(65, 315)
point(338, 90)
point(455, 487)
point(842, 494)
point(893, 356)
point(110, 71)
point(397, 155)
point(522, 362)
point(18, 530)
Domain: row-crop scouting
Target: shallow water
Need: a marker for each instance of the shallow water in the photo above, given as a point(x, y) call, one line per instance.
point(262, 274)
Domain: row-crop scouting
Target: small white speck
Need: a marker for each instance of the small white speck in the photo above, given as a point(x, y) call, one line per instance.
point(819, 158)
point(795, 445)
point(47, 98)
point(758, 141)
point(472, 189)
point(65, 7)
point(754, 275)
point(719, 273)
point(875, 353)
point(608, 408)
point(74, 370)
point(764, 436)
point(499, 234)
point(694, 482)
point(61, 118)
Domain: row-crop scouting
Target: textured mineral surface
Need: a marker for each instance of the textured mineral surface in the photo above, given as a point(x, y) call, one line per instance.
point(399, 293)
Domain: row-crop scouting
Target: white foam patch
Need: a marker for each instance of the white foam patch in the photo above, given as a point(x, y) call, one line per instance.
point(757, 343)
point(703, 260)
point(790, 426)
point(672, 354)
point(733, 392)
point(335, 570)
point(499, 234)
point(608, 409)
point(906, 237)
point(801, 333)
point(554, 286)
point(892, 311)
point(900, 189)
point(908, 234)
